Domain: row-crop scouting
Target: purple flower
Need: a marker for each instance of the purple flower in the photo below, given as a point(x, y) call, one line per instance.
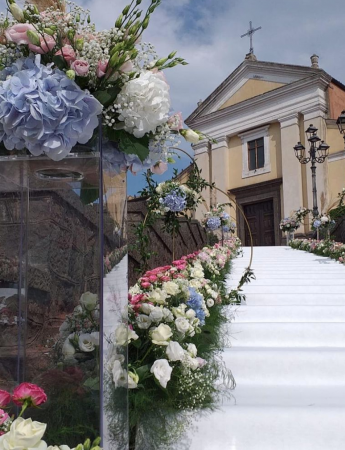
point(213, 223)
point(43, 110)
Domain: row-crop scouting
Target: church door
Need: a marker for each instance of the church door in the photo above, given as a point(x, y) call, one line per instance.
point(260, 217)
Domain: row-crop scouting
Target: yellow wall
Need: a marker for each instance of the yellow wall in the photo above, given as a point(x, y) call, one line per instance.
point(235, 160)
point(336, 169)
point(251, 89)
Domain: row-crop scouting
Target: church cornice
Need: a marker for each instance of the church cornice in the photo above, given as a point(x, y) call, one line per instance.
point(300, 95)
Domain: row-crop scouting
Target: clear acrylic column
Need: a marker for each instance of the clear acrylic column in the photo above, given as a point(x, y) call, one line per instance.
point(63, 289)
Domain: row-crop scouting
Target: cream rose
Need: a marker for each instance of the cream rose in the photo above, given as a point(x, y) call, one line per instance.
point(89, 301)
point(192, 350)
point(161, 334)
point(156, 314)
point(168, 315)
point(124, 335)
point(161, 371)
point(182, 325)
point(174, 351)
point(68, 349)
point(146, 308)
point(158, 296)
point(171, 288)
point(143, 321)
point(24, 434)
point(180, 311)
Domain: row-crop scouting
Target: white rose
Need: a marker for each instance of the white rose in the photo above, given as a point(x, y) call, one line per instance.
point(149, 100)
point(64, 329)
point(159, 188)
point(61, 447)
point(188, 361)
point(161, 334)
point(167, 314)
point(135, 289)
point(78, 309)
point(120, 376)
point(146, 308)
point(190, 136)
point(194, 283)
point(192, 350)
point(133, 380)
point(162, 371)
point(324, 219)
point(180, 311)
point(124, 335)
point(174, 351)
point(197, 272)
point(86, 342)
point(158, 296)
point(190, 314)
point(210, 302)
point(68, 349)
point(171, 288)
point(24, 434)
point(89, 301)
point(156, 315)
point(143, 321)
point(182, 324)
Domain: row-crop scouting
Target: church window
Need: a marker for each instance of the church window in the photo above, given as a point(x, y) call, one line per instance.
point(256, 154)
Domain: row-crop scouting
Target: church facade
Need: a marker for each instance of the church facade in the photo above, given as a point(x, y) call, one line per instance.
point(257, 115)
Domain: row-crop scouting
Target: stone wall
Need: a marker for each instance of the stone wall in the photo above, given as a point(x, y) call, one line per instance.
point(191, 237)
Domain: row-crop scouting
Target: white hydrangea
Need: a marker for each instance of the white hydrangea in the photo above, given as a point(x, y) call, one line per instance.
point(144, 103)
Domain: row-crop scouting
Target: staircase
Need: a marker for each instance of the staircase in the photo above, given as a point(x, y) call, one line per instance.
point(287, 356)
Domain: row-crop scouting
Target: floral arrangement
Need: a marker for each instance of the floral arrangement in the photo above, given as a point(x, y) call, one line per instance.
point(289, 224)
point(59, 74)
point(175, 197)
point(26, 434)
point(79, 333)
point(173, 336)
point(301, 213)
point(322, 222)
point(332, 249)
point(217, 218)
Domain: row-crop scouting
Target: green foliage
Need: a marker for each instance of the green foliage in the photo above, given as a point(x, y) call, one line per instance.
point(129, 144)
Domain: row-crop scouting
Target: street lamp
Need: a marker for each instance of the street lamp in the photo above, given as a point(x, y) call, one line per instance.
point(317, 154)
point(341, 124)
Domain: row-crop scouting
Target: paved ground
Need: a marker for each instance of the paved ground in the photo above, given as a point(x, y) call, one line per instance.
point(287, 356)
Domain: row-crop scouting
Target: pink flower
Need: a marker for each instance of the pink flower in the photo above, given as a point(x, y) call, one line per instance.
point(175, 122)
point(201, 362)
point(68, 53)
point(165, 278)
point(80, 67)
point(101, 68)
point(47, 44)
point(153, 278)
point(30, 393)
point(3, 416)
point(5, 398)
point(159, 168)
point(146, 285)
point(17, 33)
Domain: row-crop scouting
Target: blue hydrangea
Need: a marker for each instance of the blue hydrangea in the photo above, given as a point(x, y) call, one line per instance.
point(43, 110)
point(213, 223)
point(174, 200)
point(225, 216)
point(317, 223)
point(195, 302)
point(226, 229)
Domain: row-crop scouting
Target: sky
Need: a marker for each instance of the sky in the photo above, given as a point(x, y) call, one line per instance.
point(207, 34)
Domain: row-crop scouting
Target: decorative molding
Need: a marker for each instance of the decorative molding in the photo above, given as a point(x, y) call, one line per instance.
point(250, 136)
point(287, 121)
point(222, 141)
point(337, 156)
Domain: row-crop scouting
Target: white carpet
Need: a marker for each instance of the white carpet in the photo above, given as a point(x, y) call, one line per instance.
point(287, 356)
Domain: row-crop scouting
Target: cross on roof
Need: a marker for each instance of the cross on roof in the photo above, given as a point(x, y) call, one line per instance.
point(250, 33)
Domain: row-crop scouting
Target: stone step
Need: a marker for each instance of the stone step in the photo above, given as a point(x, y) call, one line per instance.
point(297, 334)
point(286, 366)
point(294, 299)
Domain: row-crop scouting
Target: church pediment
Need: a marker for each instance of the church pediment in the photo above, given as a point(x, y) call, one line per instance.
point(249, 80)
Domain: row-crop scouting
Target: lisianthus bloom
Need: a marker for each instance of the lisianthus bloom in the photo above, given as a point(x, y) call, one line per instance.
point(29, 393)
point(5, 398)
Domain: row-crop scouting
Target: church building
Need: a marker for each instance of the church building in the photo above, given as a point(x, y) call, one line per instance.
point(257, 116)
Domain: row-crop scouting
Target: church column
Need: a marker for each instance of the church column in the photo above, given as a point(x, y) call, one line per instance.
point(220, 168)
point(201, 155)
point(291, 168)
point(316, 118)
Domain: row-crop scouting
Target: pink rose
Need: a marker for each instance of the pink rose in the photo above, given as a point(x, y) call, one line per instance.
point(145, 285)
point(101, 68)
point(68, 53)
point(47, 44)
point(17, 33)
point(5, 398)
point(3, 416)
point(175, 122)
point(153, 278)
point(80, 67)
point(165, 278)
point(30, 393)
point(159, 168)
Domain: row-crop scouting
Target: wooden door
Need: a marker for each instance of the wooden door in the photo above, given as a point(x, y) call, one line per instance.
point(260, 217)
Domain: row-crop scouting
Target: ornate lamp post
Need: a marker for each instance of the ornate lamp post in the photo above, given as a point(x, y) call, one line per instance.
point(341, 124)
point(317, 154)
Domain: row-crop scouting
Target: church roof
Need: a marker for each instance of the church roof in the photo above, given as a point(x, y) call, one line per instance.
point(284, 74)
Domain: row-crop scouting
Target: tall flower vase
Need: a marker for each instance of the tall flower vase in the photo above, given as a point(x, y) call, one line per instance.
point(289, 236)
point(63, 285)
